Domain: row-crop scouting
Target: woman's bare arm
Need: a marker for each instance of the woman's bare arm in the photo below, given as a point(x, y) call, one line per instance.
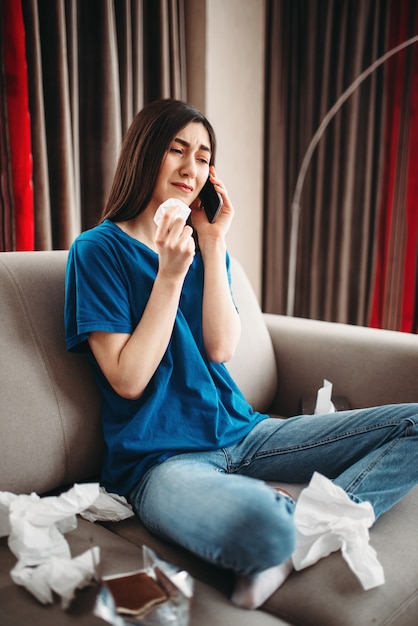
point(129, 360)
point(220, 321)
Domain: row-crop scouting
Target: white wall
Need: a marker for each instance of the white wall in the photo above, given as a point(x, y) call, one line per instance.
point(227, 84)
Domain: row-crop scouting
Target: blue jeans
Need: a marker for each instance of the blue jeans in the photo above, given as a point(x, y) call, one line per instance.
point(217, 505)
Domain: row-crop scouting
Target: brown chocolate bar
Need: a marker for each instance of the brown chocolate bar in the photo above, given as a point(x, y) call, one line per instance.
point(135, 594)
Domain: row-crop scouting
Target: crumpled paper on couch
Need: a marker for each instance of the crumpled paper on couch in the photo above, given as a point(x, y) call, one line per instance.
point(108, 507)
point(35, 528)
point(60, 575)
point(324, 404)
point(326, 520)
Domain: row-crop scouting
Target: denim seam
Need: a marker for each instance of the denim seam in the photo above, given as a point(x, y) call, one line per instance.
point(355, 483)
point(362, 475)
point(321, 442)
point(236, 467)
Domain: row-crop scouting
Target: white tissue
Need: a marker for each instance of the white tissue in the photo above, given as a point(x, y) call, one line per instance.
point(36, 528)
point(6, 498)
point(183, 209)
point(326, 520)
point(59, 575)
point(108, 507)
point(323, 399)
point(37, 524)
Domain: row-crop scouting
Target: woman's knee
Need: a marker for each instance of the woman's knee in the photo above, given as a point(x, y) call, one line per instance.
point(262, 534)
point(235, 522)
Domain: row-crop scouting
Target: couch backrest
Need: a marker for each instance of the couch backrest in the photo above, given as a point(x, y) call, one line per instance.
point(49, 406)
point(253, 366)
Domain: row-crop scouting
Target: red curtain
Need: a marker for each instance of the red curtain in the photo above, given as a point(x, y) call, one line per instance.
point(19, 138)
point(395, 295)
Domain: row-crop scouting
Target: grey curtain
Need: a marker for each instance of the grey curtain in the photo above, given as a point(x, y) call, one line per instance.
point(315, 49)
point(91, 66)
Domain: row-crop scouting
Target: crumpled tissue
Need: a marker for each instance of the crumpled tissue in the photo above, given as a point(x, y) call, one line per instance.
point(108, 507)
point(323, 399)
point(326, 520)
point(183, 209)
point(35, 528)
point(60, 575)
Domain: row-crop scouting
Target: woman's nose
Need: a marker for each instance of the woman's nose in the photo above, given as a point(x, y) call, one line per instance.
point(188, 168)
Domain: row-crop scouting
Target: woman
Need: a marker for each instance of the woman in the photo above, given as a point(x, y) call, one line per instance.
point(152, 305)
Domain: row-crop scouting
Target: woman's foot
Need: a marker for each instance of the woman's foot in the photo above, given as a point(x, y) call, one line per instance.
point(250, 592)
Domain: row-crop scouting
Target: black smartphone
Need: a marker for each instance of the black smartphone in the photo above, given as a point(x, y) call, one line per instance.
point(211, 201)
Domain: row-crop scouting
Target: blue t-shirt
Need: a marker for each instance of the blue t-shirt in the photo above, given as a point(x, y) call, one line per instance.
point(190, 403)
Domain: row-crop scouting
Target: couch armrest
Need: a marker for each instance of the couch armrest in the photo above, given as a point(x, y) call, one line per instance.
point(366, 365)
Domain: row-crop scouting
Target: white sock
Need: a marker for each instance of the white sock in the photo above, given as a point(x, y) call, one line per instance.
point(250, 592)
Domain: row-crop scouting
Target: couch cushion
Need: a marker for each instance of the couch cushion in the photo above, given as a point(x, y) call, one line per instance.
point(253, 366)
point(328, 593)
point(18, 607)
point(49, 406)
point(367, 366)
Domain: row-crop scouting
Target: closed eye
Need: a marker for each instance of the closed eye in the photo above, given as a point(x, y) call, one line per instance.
point(186, 144)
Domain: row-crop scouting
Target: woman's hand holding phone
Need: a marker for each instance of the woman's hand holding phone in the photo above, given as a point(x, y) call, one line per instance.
point(220, 320)
point(219, 226)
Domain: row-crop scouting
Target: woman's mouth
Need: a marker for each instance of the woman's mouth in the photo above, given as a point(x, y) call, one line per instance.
point(183, 187)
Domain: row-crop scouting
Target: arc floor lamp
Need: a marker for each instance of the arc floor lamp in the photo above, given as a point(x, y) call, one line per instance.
point(296, 208)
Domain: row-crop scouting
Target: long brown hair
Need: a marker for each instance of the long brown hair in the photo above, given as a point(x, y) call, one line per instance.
point(143, 149)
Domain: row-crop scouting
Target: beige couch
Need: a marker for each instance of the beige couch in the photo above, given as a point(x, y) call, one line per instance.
point(51, 438)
